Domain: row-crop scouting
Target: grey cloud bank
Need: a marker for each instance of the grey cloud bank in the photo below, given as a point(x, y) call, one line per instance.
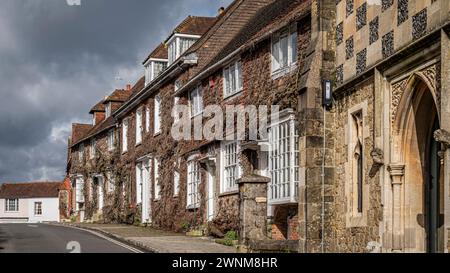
point(57, 60)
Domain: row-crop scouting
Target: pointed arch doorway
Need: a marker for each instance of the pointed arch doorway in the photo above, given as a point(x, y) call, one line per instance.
point(417, 195)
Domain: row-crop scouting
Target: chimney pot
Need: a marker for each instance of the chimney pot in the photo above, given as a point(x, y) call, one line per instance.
point(221, 10)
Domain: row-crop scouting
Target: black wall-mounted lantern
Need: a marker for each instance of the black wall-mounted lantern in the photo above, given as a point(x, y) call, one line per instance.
point(327, 93)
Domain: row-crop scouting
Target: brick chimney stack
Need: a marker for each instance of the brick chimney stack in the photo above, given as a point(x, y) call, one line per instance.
point(128, 87)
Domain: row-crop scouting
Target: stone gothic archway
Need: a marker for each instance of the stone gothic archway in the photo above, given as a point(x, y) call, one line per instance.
point(415, 199)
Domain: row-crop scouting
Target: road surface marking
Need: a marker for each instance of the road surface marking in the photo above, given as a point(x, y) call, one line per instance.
point(132, 249)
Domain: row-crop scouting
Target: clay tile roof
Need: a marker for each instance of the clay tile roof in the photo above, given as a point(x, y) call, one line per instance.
point(268, 18)
point(160, 52)
point(79, 131)
point(138, 86)
point(30, 190)
point(99, 107)
point(102, 126)
point(119, 95)
point(194, 25)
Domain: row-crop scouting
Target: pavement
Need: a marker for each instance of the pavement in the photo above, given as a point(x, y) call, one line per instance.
point(45, 238)
point(157, 241)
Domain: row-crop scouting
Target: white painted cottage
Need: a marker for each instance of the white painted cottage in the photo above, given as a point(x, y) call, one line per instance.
point(30, 202)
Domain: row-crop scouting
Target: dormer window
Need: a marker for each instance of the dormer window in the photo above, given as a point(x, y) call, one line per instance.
point(178, 44)
point(108, 110)
point(154, 68)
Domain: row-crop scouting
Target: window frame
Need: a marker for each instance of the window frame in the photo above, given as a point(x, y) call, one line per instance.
point(226, 187)
point(174, 46)
point(357, 192)
point(192, 103)
point(228, 90)
point(110, 140)
point(139, 127)
point(108, 110)
point(8, 204)
point(81, 152)
point(38, 211)
point(156, 176)
point(125, 127)
point(79, 189)
point(147, 118)
point(111, 182)
point(193, 185)
point(277, 63)
point(92, 148)
point(284, 159)
point(157, 115)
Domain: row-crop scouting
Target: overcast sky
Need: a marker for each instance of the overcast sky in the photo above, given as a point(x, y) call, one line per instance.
point(56, 61)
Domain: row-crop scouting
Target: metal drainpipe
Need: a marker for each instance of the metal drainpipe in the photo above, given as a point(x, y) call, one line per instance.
point(323, 181)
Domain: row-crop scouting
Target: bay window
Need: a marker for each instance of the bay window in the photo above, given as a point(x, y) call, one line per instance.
point(284, 160)
point(284, 49)
point(232, 79)
point(193, 183)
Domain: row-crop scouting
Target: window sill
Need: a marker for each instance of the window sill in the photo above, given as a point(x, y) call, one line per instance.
point(285, 201)
point(233, 96)
point(229, 193)
point(192, 207)
point(283, 71)
point(156, 134)
point(138, 144)
point(196, 115)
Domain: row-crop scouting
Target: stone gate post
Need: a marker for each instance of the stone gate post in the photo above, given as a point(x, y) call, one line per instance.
point(252, 208)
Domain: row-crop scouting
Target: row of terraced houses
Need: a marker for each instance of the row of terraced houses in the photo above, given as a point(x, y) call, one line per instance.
point(342, 166)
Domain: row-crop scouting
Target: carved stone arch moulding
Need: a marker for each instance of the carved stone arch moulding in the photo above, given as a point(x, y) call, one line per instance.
point(431, 75)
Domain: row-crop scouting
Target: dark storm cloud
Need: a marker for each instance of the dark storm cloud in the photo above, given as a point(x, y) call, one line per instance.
point(56, 61)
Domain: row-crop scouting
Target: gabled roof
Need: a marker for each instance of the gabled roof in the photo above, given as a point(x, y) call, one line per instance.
point(31, 190)
point(79, 131)
point(193, 25)
point(138, 86)
point(119, 95)
point(160, 52)
point(267, 19)
point(99, 107)
point(110, 122)
point(231, 26)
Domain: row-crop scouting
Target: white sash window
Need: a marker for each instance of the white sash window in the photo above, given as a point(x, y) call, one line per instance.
point(284, 161)
point(193, 183)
